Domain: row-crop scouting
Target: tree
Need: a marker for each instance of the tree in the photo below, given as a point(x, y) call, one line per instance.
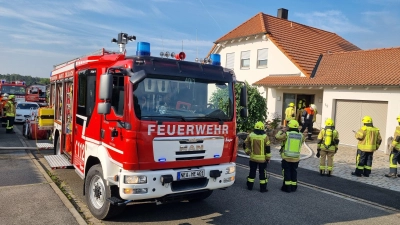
point(256, 106)
point(28, 79)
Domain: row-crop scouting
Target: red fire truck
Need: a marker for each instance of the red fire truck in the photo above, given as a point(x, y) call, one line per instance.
point(36, 93)
point(16, 88)
point(144, 128)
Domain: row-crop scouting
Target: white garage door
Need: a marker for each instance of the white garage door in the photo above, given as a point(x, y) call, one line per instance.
point(350, 113)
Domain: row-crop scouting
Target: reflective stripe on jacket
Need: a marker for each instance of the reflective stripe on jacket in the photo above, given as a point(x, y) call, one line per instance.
point(369, 138)
point(257, 145)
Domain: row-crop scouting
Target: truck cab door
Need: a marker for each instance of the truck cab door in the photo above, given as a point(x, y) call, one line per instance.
point(84, 128)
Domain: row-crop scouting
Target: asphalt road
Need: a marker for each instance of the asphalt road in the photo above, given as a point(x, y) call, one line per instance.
point(319, 200)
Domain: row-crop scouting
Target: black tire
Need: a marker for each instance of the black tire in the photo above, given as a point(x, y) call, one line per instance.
point(201, 196)
point(96, 193)
point(57, 145)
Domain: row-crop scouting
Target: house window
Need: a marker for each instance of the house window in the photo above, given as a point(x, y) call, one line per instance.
point(245, 60)
point(230, 60)
point(262, 58)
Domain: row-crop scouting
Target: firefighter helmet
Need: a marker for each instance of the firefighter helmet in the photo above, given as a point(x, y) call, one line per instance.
point(314, 107)
point(293, 124)
point(329, 122)
point(10, 97)
point(291, 104)
point(398, 118)
point(259, 125)
point(367, 119)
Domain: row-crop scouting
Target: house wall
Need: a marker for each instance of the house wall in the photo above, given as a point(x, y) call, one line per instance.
point(275, 106)
point(391, 95)
point(278, 63)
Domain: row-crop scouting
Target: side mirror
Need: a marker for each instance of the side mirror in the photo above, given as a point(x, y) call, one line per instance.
point(103, 108)
point(105, 89)
point(137, 76)
point(243, 96)
point(244, 112)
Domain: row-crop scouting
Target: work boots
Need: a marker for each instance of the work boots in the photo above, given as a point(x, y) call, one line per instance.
point(250, 185)
point(263, 188)
point(322, 172)
point(357, 173)
point(309, 137)
point(329, 173)
point(392, 175)
point(366, 173)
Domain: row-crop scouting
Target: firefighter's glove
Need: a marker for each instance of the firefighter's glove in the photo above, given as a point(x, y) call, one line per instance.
point(318, 153)
point(336, 148)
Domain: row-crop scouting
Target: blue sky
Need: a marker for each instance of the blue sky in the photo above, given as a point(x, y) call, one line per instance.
point(35, 35)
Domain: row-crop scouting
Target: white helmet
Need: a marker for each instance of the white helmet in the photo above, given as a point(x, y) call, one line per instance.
point(313, 106)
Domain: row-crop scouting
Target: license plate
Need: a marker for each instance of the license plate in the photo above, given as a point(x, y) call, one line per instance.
point(190, 174)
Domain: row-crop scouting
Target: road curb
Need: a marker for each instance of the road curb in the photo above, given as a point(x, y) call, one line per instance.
point(56, 189)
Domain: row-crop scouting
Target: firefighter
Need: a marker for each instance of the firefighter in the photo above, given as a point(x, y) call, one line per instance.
point(3, 103)
point(289, 113)
point(369, 140)
point(257, 146)
point(299, 112)
point(10, 114)
point(292, 140)
point(395, 153)
point(328, 141)
point(307, 119)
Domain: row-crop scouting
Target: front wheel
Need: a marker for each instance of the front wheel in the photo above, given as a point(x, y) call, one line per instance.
point(97, 191)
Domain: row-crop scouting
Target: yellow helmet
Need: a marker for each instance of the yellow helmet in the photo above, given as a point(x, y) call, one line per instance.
point(291, 104)
point(259, 125)
point(11, 97)
point(398, 118)
point(367, 119)
point(329, 122)
point(293, 124)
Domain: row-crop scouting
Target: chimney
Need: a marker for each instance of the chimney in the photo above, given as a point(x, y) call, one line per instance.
point(283, 13)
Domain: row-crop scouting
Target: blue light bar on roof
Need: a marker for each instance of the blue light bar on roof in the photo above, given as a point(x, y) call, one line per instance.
point(143, 49)
point(215, 59)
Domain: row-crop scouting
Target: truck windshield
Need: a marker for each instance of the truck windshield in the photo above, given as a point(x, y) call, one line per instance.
point(183, 99)
point(13, 90)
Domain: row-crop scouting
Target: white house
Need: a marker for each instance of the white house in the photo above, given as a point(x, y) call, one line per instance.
point(291, 61)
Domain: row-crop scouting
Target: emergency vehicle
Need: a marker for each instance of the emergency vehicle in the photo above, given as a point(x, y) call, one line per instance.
point(36, 93)
point(16, 88)
point(144, 128)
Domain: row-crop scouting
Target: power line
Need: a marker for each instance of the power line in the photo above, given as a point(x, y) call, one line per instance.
point(210, 15)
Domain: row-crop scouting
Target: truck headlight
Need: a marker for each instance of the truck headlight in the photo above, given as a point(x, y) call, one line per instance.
point(230, 169)
point(135, 179)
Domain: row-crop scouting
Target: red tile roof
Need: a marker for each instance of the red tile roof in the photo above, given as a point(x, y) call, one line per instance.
point(300, 43)
point(375, 67)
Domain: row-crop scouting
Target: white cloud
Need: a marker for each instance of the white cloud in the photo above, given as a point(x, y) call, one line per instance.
point(108, 7)
point(333, 21)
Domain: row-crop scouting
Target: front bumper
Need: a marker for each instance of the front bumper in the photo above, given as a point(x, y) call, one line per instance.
point(156, 190)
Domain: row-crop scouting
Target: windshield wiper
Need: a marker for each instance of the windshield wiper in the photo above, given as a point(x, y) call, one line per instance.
point(162, 116)
point(208, 118)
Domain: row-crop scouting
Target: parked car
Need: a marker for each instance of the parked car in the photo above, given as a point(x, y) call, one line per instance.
point(24, 110)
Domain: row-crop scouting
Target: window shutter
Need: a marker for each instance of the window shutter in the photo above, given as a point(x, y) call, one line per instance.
point(230, 60)
point(245, 55)
point(262, 54)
